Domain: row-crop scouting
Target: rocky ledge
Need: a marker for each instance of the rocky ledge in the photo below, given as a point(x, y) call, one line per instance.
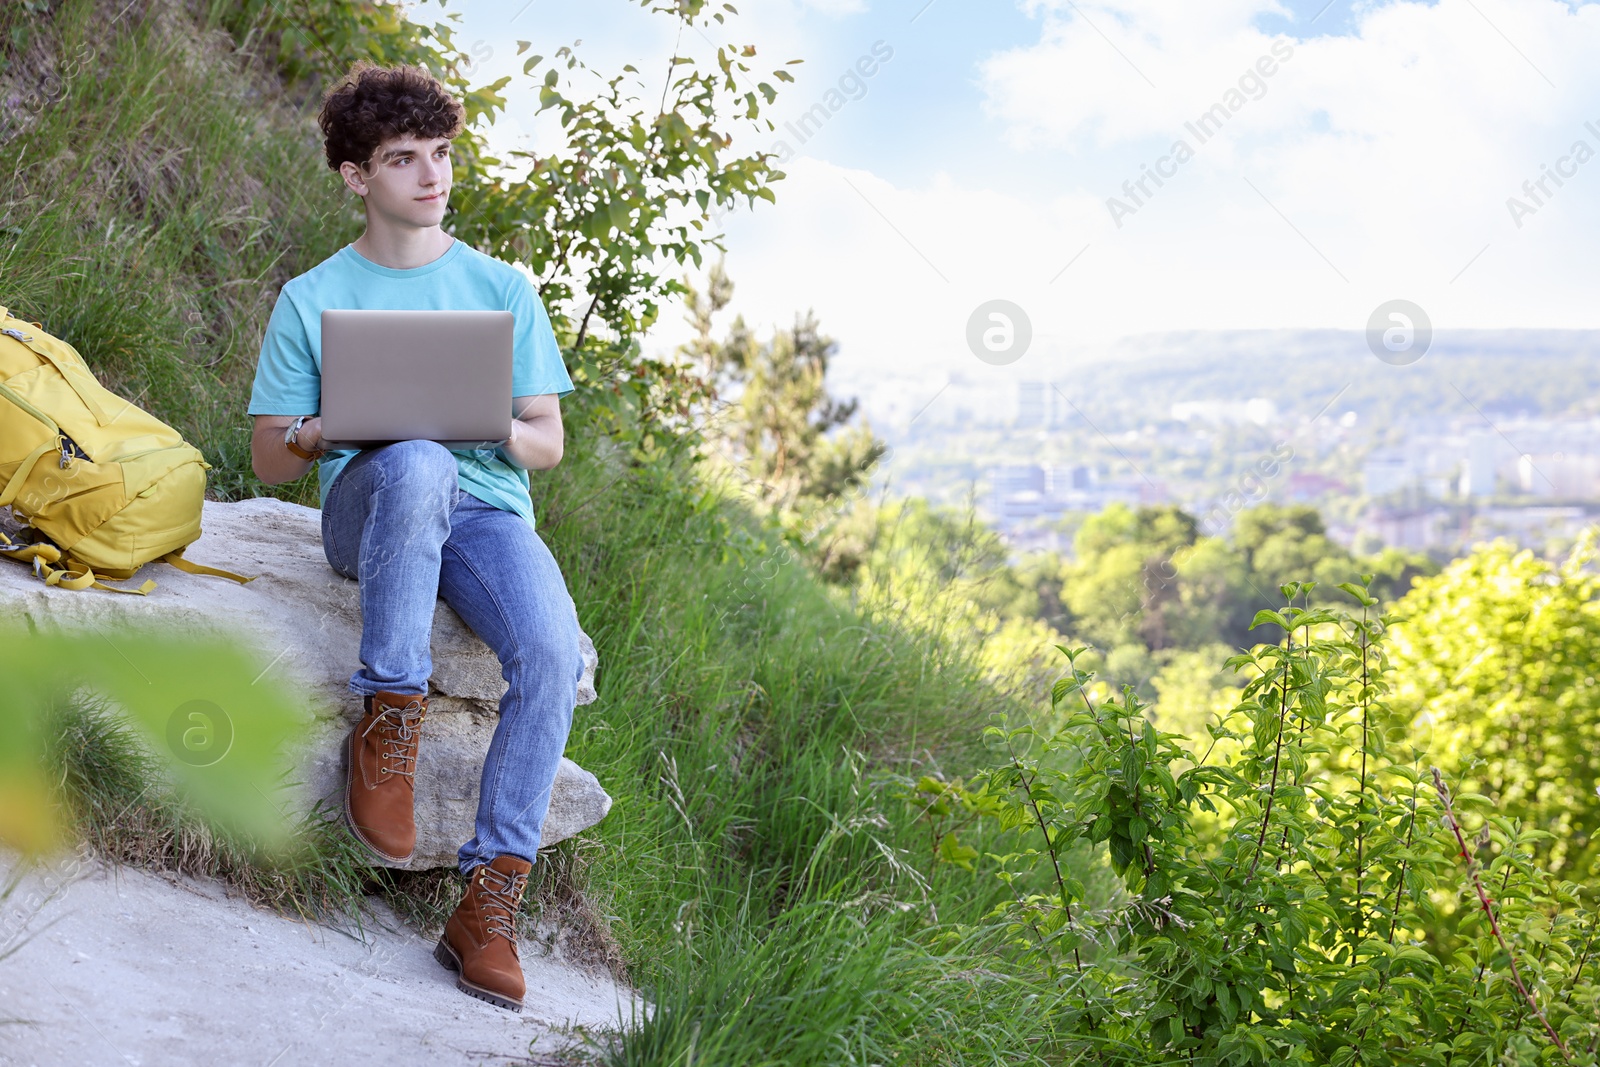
point(303, 618)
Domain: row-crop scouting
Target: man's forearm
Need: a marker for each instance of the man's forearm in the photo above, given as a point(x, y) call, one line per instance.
point(271, 459)
point(536, 442)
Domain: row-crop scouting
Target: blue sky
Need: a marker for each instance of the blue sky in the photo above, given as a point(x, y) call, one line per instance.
point(1376, 161)
point(921, 112)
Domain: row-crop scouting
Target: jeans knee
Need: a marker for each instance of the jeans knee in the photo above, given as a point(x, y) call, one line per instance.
point(548, 655)
point(421, 469)
point(422, 458)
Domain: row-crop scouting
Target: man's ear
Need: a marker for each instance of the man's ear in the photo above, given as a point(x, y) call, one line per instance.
point(354, 178)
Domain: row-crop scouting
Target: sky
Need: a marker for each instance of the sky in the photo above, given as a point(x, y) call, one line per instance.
point(1311, 161)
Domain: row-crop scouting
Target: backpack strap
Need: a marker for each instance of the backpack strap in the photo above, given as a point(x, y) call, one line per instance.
point(87, 579)
point(175, 557)
point(14, 486)
point(41, 554)
point(73, 574)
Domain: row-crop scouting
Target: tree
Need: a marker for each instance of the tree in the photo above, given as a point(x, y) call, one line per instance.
point(1133, 583)
point(792, 436)
point(1254, 527)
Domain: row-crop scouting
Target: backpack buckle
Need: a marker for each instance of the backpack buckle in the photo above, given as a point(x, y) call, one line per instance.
point(9, 332)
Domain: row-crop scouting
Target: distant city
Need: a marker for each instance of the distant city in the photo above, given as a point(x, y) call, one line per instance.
point(1035, 457)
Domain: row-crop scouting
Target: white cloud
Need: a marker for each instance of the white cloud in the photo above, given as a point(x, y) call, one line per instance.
point(1106, 72)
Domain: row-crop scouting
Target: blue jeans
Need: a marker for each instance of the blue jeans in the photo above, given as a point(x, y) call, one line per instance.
point(397, 521)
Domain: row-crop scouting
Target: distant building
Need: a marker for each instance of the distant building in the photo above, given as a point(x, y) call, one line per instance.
point(1152, 494)
point(1017, 478)
point(1563, 475)
point(1033, 404)
point(1258, 409)
point(1416, 528)
point(1313, 485)
point(1060, 481)
point(1386, 470)
point(1477, 475)
point(1017, 493)
point(1532, 527)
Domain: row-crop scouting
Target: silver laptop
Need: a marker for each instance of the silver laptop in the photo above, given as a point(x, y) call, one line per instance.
point(392, 376)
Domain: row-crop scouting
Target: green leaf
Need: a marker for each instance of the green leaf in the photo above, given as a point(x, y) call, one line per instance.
point(952, 851)
point(1225, 1002)
point(1265, 617)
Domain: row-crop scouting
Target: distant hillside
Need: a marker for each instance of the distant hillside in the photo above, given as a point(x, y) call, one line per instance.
point(1501, 373)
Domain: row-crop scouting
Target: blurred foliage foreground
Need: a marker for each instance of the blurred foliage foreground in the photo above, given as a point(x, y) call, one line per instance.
point(218, 739)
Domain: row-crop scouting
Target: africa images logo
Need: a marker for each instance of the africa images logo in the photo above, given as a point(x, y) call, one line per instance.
point(199, 733)
point(1536, 192)
point(1252, 85)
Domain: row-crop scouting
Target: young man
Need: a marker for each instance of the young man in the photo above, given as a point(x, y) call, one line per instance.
point(413, 521)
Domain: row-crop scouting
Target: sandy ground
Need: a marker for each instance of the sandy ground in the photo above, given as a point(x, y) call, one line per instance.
point(118, 966)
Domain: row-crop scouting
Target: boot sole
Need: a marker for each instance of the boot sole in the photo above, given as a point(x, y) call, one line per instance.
point(451, 962)
point(349, 819)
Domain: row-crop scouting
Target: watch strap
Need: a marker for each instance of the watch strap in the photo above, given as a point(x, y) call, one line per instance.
point(303, 454)
point(294, 446)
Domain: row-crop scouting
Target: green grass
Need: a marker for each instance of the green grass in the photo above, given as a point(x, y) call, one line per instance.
point(756, 877)
point(772, 898)
point(158, 198)
point(123, 806)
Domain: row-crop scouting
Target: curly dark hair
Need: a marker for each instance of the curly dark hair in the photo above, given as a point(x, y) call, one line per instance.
point(372, 103)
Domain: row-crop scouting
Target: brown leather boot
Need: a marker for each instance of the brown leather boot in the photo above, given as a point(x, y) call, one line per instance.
point(381, 764)
point(480, 939)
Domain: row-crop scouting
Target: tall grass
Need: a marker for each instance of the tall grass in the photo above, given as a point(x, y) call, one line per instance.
point(756, 876)
point(769, 893)
point(161, 188)
point(124, 807)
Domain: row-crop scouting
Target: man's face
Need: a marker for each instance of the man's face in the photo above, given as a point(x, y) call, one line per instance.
point(407, 180)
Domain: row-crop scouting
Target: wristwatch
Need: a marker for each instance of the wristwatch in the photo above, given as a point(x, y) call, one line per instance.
point(293, 432)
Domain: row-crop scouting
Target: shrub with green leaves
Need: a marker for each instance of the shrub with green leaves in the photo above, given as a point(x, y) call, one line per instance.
point(1495, 664)
point(1301, 889)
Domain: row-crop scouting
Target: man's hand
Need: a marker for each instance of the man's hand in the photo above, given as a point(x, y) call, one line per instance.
point(537, 435)
point(310, 436)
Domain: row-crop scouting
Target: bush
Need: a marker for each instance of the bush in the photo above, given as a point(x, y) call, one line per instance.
point(1301, 891)
point(1494, 664)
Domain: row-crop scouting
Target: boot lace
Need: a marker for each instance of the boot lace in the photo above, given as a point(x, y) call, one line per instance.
point(500, 897)
point(398, 732)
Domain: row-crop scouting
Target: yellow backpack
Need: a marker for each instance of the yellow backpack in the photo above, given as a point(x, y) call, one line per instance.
point(109, 486)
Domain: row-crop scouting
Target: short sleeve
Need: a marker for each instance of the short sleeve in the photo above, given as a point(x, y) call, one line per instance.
point(536, 364)
point(287, 381)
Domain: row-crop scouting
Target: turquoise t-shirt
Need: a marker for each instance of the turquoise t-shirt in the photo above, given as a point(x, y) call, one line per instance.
point(289, 373)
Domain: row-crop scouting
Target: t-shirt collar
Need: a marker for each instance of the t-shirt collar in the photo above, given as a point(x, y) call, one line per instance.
point(349, 251)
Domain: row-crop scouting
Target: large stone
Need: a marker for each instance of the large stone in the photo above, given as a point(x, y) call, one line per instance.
point(302, 618)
